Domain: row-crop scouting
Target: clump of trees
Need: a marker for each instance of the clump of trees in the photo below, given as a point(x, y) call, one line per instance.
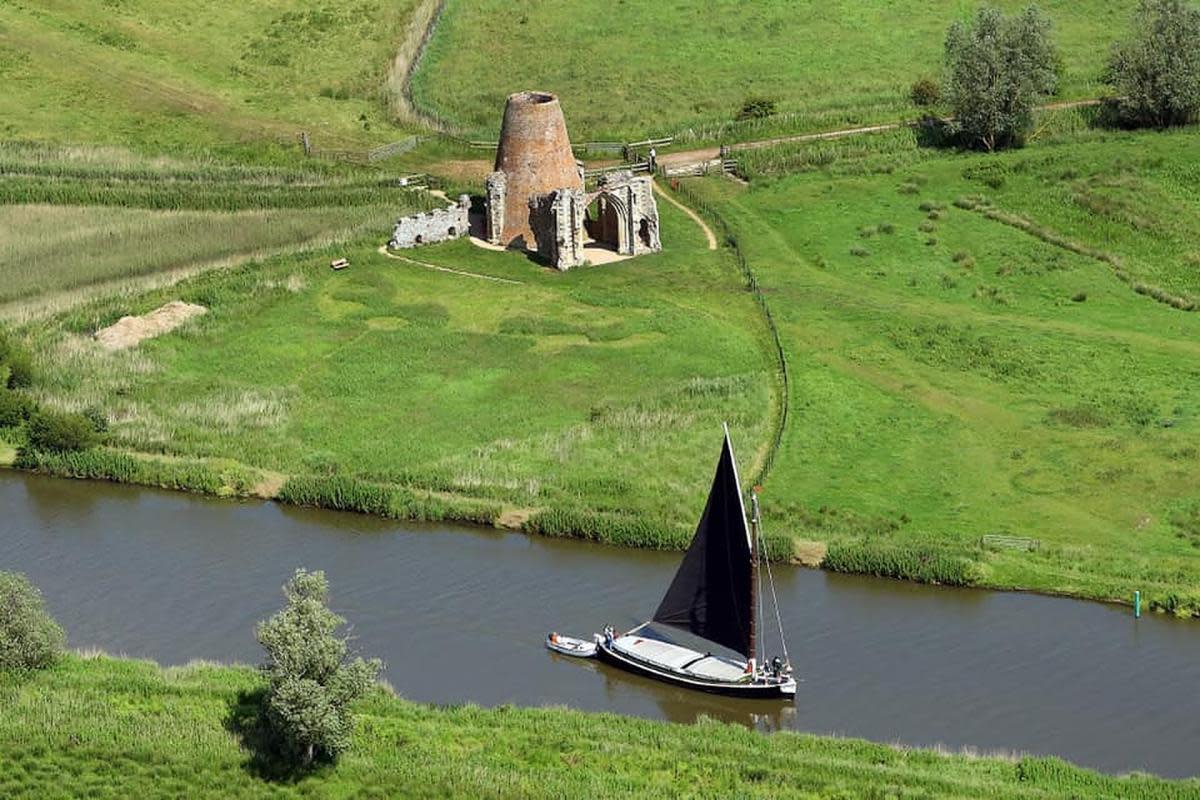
point(312, 680)
point(29, 637)
point(1155, 73)
point(997, 69)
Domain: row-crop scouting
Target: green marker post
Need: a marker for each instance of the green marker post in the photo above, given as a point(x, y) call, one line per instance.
point(1137, 605)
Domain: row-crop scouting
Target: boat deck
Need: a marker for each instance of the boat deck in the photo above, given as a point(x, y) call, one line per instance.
point(681, 659)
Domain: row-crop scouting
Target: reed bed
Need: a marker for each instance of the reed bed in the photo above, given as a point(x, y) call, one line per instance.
point(55, 248)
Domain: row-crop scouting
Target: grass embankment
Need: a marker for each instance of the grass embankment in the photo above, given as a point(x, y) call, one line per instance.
point(171, 76)
point(75, 217)
point(594, 396)
point(646, 66)
point(954, 374)
point(114, 728)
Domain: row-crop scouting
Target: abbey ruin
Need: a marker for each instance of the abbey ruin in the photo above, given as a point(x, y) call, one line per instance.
point(537, 199)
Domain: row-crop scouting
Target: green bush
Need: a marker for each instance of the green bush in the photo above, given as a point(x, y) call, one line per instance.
point(925, 92)
point(58, 432)
point(14, 409)
point(756, 108)
point(29, 638)
point(20, 367)
point(886, 560)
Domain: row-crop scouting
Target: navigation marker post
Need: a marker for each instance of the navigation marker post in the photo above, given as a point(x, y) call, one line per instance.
point(1137, 605)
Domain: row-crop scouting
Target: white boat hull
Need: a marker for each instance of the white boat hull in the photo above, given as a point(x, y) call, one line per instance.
point(570, 646)
point(761, 687)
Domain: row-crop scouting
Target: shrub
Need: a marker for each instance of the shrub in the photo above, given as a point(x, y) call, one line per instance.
point(860, 251)
point(1079, 297)
point(29, 638)
point(1155, 73)
point(20, 368)
point(925, 92)
point(312, 679)
point(997, 68)
point(14, 409)
point(58, 432)
point(756, 108)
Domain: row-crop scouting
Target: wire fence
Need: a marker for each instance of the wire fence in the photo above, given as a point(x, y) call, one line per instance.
point(754, 287)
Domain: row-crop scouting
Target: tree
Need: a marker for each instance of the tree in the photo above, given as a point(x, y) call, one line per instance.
point(29, 637)
point(1155, 73)
point(312, 679)
point(997, 69)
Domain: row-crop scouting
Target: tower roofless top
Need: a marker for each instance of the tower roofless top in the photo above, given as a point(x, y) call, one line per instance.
point(535, 156)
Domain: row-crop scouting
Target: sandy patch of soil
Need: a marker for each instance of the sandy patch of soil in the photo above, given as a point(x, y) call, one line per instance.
point(130, 331)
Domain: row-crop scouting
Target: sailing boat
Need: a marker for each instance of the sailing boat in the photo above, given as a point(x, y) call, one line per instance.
point(715, 596)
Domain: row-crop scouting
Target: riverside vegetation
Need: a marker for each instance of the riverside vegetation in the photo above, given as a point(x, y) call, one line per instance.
point(183, 730)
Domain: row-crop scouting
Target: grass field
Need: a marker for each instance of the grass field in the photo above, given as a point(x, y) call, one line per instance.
point(74, 217)
point(966, 358)
point(599, 390)
point(105, 728)
point(641, 66)
point(172, 76)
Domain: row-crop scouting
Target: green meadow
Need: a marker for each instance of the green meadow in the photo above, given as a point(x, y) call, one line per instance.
point(172, 76)
point(640, 67)
point(469, 374)
point(992, 345)
point(102, 727)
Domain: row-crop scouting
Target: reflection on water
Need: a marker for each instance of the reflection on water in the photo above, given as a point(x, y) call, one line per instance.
point(460, 615)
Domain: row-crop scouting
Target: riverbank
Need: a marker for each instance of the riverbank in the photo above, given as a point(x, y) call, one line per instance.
point(132, 728)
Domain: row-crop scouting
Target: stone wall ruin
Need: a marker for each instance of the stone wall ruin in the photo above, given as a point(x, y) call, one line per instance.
point(431, 227)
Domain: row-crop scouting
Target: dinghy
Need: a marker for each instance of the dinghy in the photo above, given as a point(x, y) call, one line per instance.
point(714, 596)
point(570, 646)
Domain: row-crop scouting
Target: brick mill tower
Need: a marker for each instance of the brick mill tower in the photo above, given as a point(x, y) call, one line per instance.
point(533, 160)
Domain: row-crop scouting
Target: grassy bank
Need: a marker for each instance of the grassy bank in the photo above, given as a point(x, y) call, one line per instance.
point(970, 354)
point(648, 67)
point(114, 728)
point(396, 388)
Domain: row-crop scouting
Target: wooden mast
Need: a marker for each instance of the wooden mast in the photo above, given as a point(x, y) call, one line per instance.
point(753, 577)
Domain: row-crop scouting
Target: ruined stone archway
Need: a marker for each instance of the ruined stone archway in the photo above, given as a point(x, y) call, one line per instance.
point(610, 227)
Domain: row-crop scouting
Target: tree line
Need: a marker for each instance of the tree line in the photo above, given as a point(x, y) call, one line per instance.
point(998, 68)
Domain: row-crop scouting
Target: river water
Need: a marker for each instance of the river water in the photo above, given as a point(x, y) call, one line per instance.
point(459, 615)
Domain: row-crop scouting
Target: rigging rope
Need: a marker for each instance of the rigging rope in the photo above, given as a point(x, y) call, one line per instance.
point(774, 601)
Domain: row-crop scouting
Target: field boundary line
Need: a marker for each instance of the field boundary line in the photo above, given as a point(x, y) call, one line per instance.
point(783, 380)
point(383, 250)
point(408, 58)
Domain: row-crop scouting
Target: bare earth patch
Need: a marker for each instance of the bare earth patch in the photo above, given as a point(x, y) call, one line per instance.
point(129, 331)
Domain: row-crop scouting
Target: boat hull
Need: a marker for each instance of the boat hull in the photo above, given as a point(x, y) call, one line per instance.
point(611, 656)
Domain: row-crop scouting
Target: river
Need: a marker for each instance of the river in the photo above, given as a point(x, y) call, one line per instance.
point(459, 615)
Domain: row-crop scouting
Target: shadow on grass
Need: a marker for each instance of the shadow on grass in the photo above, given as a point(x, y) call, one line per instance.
point(247, 719)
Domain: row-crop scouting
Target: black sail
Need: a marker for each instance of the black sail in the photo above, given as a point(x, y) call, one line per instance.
point(712, 594)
